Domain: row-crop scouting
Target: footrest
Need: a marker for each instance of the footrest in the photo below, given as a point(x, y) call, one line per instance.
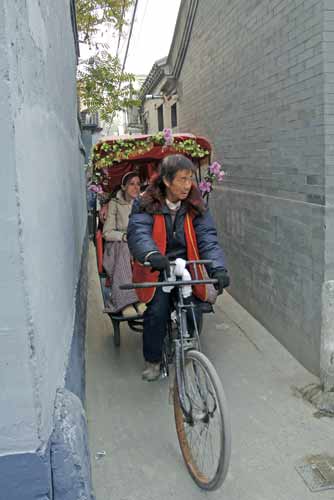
point(120, 317)
point(206, 307)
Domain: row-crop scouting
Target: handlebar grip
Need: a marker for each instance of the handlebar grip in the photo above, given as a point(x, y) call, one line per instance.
point(127, 286)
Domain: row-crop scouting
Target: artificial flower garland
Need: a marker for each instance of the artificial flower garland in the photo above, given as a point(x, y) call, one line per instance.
point(105, 155)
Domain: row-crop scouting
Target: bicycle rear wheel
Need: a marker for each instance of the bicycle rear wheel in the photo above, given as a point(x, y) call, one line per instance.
point(205, 437)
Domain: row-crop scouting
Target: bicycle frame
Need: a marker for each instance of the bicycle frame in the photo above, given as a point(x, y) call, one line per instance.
point(183, 341)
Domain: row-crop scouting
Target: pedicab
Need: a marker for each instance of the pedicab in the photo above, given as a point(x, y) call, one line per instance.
point(112, 158)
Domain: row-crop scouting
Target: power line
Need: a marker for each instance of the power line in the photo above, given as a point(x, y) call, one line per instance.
point(121, 29)
point(127, 48)
point(130, 34)
point(139, 30)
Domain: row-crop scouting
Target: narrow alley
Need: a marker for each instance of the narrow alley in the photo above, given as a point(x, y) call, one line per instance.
point(134, 448)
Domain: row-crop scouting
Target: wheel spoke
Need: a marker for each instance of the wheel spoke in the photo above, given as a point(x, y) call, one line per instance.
point(205, 439)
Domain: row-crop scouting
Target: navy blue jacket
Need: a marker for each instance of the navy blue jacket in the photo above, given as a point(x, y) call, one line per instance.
point(140, 228)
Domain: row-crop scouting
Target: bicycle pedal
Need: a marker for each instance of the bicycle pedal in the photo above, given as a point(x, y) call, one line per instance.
point(173, 316)
point(189, 344)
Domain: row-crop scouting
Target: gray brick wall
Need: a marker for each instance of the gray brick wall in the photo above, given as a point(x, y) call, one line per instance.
point(253, 81)
point(326, 359)
point(328, 37)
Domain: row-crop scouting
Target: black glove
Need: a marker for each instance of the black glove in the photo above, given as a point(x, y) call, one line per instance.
point(159, 262)
point(223, 280)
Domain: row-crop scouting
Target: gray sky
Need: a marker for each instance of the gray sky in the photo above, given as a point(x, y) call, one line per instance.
point(152, 34)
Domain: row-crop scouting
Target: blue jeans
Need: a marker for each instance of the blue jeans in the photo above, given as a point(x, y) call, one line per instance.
point(91, 199)
point(156, 318)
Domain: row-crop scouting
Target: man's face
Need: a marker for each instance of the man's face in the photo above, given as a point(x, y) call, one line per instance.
point(180, 186)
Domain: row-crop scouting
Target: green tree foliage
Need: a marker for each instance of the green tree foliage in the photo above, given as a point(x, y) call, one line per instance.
point(102, 85)
point(92, 14)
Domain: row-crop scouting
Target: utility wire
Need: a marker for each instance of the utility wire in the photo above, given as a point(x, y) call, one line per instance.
point(127, 48)
point(121, 29)
point(130, 34)
point(138, 32)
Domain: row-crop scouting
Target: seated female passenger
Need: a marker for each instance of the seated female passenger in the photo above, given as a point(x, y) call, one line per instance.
point(116, 258)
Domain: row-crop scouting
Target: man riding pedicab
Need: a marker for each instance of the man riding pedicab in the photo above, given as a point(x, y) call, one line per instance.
point(170, 220)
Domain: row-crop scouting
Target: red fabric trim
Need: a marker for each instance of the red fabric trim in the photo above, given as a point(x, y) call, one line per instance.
point(143, 274)
point(99, 250)
point(192, 253)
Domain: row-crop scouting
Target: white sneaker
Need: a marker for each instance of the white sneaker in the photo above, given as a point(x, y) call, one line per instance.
point(151, 372)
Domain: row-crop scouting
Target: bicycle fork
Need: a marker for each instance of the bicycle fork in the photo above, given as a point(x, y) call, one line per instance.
point(182, 344)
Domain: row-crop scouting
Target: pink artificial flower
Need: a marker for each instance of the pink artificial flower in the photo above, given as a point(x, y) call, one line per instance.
point(168, 136)
point(220, 176)
point(215, 168)
point(205, 187)
point(96, 189)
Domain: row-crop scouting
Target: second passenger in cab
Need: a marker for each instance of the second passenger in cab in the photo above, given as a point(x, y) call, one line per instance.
point(117, 259)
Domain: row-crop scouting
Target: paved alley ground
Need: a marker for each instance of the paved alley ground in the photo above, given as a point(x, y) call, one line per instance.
point(134, 448)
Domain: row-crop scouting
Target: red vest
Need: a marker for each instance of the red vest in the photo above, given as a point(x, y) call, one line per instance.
point(143, 274)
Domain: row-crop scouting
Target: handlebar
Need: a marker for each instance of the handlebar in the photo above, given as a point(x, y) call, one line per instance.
point(177, 283)
point(173, 263)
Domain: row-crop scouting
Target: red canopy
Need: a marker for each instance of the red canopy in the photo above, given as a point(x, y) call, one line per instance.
point(145, 161)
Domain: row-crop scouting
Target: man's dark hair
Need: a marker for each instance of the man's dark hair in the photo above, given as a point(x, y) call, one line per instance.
point(154, 195)
point(172, 164)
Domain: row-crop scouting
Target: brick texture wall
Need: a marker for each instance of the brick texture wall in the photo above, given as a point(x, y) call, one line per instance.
point(253, 81)
point(329, 134)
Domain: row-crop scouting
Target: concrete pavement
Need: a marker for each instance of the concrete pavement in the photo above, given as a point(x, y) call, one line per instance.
point(134, 448)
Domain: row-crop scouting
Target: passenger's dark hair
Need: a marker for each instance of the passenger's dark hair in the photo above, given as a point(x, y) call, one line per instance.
point(170, 165)
point(128, 176)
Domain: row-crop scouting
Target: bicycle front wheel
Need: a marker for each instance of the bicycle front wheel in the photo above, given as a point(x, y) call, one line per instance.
point(204, 435)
